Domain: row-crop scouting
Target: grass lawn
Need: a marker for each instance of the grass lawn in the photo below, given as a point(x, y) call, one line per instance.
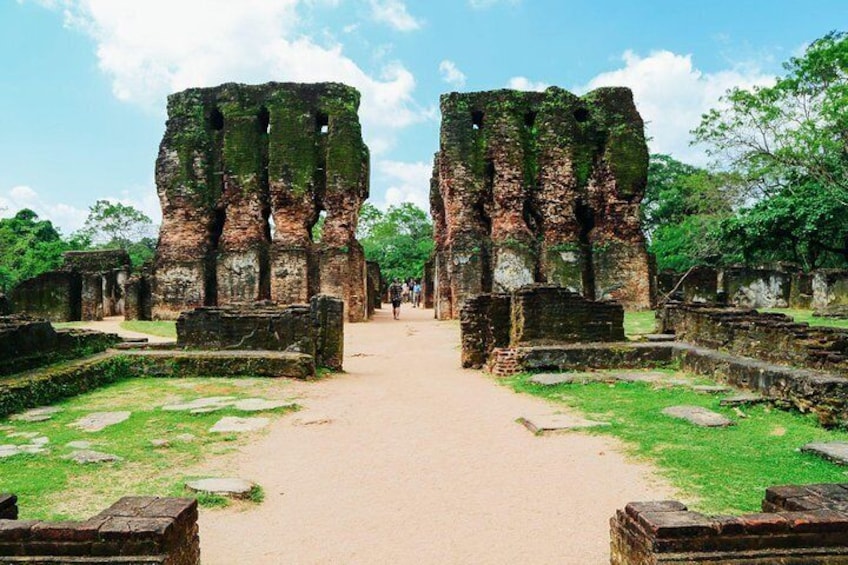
point(52, 487)
point(807, 316)
point(639, 323)
point(717, 470)
point(161, 328)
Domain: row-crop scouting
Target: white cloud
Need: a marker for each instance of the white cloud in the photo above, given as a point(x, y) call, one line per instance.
point(451, 74)
point(524, 83)
point(69, 218)
point(407, 182)
point(395, 14)
point(483, 4)
point(672, 94)
point(157, 47)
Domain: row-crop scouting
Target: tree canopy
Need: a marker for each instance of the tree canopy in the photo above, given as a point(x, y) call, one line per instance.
point(399, 239)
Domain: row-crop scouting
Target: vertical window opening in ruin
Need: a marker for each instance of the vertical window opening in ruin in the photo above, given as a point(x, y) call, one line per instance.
point(316, 230)
point(581, 115)
point(216, 119)
point(272, 227)
point(265, 258)
point(586, 219)
point(477, 119)
point(210, 296)
point(530, 119)
point(264, 120)
point(486, 225)
point(322, 123)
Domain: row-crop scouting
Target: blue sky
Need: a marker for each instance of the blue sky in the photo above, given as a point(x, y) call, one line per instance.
point(83, 86)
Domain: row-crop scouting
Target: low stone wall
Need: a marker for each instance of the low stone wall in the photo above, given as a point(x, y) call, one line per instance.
point(316, 329)
point(799, 525)
point(756, 288)
point(8, 507)
point(55, 296)
point(767, 336)
point(27, 343)
point(534, 315)
point(829, 288)
point(139, 530)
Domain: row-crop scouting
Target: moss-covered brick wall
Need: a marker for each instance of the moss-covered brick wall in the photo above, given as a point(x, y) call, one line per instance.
point(530, 186)
point(243, 173)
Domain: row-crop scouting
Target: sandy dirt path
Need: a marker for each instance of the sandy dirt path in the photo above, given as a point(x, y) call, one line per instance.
point(112, 325)
point(422, 462)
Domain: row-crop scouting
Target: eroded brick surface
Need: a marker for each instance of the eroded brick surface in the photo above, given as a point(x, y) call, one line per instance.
point(242, 174)
point(539, 187)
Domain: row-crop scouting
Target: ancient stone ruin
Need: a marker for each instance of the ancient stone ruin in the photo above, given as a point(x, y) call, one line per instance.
point(136, 529)
point(88, 286)
point(533, 316)
point(243, 175)
point(540, 187)
point(799, 524)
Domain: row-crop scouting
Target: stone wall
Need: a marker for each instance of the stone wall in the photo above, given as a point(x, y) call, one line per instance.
point(540, 187)
point(27, 343)
point(829, 288)
point(799, 525)
point(8, 507)
point(137, 298)
point(55, 295)
point(375, 287)
point(242, 175)
point(768, 336)
point(534, 315)
point(756, 287)
point(143, 530)
point(316, 329)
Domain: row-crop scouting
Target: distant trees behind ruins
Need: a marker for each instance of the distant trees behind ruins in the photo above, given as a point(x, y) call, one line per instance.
point(30, 246)
point(778, 190)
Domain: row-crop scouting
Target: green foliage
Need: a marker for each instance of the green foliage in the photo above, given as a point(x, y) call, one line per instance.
point(717, 470)
point(28, 247)
point(114, 225)
point(399, 239)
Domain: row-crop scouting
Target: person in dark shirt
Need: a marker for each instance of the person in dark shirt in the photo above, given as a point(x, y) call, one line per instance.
point(395, 295)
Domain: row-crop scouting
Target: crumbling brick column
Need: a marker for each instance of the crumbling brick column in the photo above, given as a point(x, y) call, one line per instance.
point(540, 187)
point(242, 174)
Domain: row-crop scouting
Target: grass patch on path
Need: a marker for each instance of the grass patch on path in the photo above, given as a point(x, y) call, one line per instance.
point(717, 470)
point(806, 316)
point(52, 487)
point(637, 324)
point(160, 328)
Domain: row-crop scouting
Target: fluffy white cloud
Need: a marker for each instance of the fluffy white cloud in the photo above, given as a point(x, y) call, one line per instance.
point(150, 49)
point(451, 73)
point(70, 218)
point(393, 13)
point(407, 182)
point(672, 94)
point(524, 83)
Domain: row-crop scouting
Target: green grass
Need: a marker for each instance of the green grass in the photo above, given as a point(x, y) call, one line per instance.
point(716, 470)
point(60, 325)
point(160, 328)
point(807, 316)
point(639, 323)
point(51, 487)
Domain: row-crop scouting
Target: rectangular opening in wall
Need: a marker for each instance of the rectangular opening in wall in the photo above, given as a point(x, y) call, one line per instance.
point(322, 123)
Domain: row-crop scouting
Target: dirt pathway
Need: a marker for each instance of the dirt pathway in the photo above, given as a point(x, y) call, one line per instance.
point(113, 325)
point(421, 462)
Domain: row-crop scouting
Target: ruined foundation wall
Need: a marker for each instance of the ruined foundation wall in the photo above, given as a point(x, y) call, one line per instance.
point(534, 315)
point(242, 174)
point(315, 329)
point(768, 336)
point(55, 295)
point(139, 529)
point(540, 187)
point(799, 524)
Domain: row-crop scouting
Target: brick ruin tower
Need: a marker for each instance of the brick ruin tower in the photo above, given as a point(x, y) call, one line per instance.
point(243, 174)
point(540, 187)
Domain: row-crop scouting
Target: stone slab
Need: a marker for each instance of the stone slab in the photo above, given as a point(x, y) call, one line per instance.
point(229, 487)
point(698, 416)
point(568, 378)
point(260, 404)
point(742, 399)
point(41, 414)
point(79, 444)
point(211, 403)
point(712, 389)
point(87, 456)
point(233, 424)
point(835, 451)
point(543, 423)
point(660, 338)
point(98, 421)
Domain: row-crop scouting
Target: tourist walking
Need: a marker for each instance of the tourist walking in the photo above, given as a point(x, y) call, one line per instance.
point(395, 295)
point(416, 295)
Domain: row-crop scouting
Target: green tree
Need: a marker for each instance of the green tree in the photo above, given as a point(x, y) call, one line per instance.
point(28, 247)
point(399, 239)
point(116, 225)
point(782, 136)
